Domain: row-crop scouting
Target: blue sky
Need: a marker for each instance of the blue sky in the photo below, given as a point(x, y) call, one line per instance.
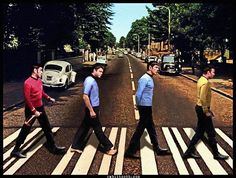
point(125, 14)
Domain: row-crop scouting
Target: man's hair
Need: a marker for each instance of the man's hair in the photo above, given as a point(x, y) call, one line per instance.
point(35, 66)
point(151, 63)
point(207, 68)
point(98, 66)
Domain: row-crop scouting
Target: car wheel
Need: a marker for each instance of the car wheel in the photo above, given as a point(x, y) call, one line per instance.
point(66, 85)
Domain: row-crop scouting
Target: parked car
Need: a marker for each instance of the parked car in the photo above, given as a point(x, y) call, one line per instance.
point(170, 63)
point(58, 74)
point(150, 58)
point(138, 55)
point(102, 60)
point(120, 54)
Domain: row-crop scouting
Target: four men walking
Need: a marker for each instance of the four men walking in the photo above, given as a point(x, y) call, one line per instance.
point(33, 93)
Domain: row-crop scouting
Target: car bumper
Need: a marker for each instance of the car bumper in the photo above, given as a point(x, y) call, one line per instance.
point(54, 85)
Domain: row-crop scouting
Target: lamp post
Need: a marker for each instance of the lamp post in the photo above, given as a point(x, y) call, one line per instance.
point(159, 7)
point(138, 41)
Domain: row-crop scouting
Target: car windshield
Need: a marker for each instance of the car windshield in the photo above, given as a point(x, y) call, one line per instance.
point(168, 59)
point(53, 67)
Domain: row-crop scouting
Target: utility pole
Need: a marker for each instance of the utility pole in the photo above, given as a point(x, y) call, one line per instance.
point(149, 44)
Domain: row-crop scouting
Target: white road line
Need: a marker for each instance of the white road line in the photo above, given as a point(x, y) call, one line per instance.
point(63, 163)
point(224, 137)
point(136, 113)
point(206, 155)
point(106, 160)
point(120, 155)
point(30, 136)
point(175, 152)
point(133, 86)
point(193, 164)
point(10, 138)
point(131, 75)
point(83, 164)
point(148, 162)
point(130, 70)
point(21, 162)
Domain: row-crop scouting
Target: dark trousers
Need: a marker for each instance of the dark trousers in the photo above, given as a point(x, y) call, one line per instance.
point(204, 124)
point(81, 135)
point(145, 121)
point(44, 123)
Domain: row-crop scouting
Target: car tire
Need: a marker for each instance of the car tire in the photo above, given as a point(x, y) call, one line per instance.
point(66, 85)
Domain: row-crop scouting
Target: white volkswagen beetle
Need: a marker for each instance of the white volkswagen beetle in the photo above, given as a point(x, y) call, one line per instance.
point(58, 74)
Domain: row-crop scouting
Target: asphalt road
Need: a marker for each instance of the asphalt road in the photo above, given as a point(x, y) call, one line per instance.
point(173, 114)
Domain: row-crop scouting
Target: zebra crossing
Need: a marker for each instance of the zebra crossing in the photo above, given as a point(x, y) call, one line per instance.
point(174, 138)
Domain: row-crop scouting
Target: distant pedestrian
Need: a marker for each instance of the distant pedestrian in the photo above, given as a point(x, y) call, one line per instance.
point(193, 63)
point(91, 118)
point(34, 109)
point(144, 97)
point(205, 116)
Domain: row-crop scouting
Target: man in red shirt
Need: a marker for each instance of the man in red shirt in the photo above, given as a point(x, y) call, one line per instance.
point(33, 93)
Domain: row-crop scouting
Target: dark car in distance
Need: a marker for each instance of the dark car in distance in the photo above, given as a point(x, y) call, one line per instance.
point(170, 63)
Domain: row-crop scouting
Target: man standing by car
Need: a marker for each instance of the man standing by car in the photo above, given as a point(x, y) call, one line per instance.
point(144, 97)
point(33, 93)
point(205, 116)
point(91, 118)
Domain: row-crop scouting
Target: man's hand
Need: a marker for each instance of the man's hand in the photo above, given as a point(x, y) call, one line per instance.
point(93, 114)
point(209, 114)
point(37, 114)
point(52, 100)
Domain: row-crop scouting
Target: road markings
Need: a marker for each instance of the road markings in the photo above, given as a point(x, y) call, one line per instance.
point(175, 152)
point(86, 158)
point(63, 163)
point(193, 164)
point(30, 153)
point(10, 138)
point(206, 155)
point(121, 151)
point(30, 136)
point(133, 86)
point(136, 113)
point(106, 160)
point(148, 162)
point(225, 137)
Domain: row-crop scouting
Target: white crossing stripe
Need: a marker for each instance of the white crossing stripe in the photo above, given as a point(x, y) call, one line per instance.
point(30, 136)
point(229, 160)
point(106, 160)
point(206, 155)
point(10, 138)
point(175, 153)
point(63, 163)
point(21, 162)
point(83, 164)
point(193, 164)
point(120, 155)
point(148, 162)
point(225, 137)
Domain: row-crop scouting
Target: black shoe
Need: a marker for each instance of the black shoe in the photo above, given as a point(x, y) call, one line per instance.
point(130, 155)
point(190, 155)
point(17, 154)
point(161, 151)
point(220, 156)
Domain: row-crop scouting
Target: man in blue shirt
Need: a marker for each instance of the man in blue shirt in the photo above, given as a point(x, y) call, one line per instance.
point(91, 118)
point(144, 97)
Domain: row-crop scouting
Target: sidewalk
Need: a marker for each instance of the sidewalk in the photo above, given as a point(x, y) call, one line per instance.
point(219, 82)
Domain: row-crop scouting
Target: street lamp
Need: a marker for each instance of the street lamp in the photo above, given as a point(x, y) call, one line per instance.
point(138, 41)
point(160, 7)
